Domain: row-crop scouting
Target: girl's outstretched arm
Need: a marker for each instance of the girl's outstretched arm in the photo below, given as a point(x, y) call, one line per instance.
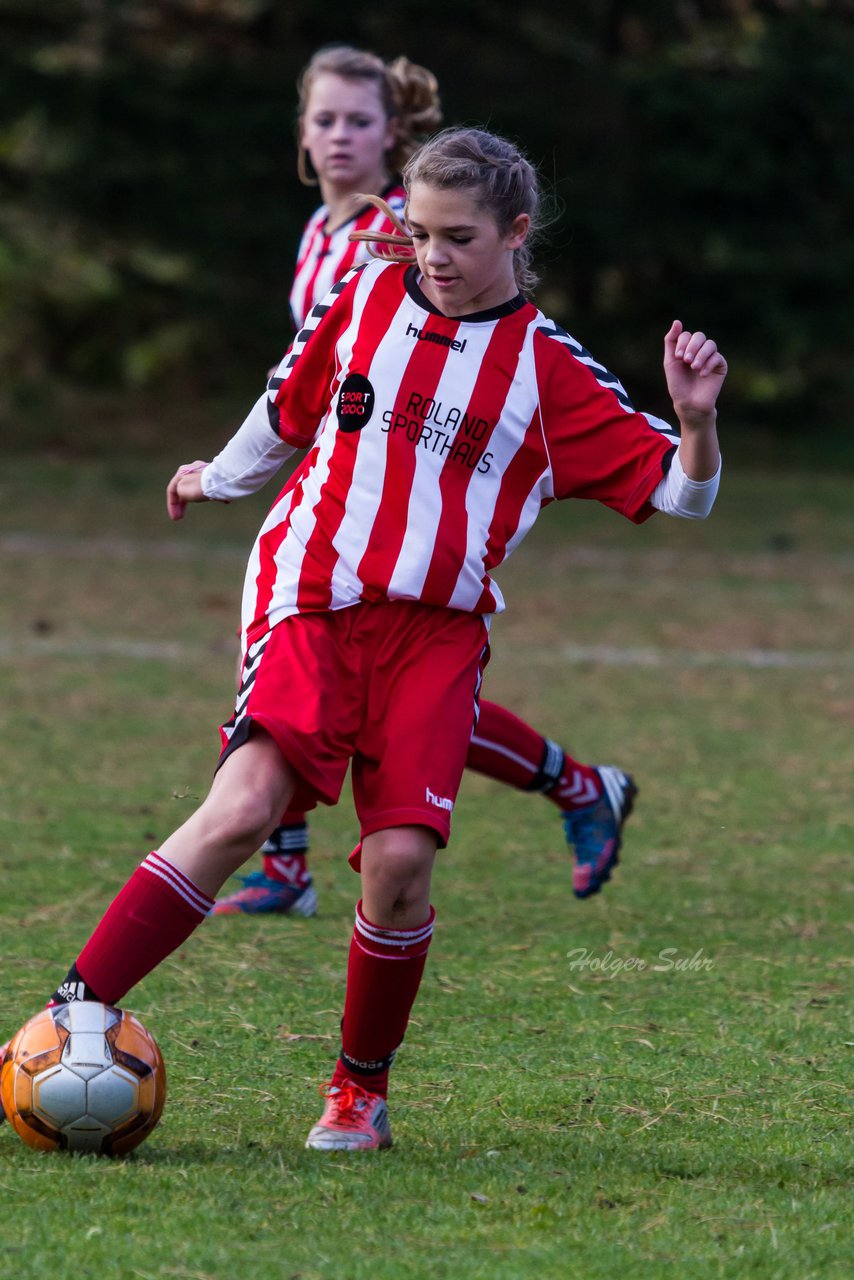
point(695, 371)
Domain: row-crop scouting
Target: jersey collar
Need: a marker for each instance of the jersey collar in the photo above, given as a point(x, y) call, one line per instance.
point(418, 296)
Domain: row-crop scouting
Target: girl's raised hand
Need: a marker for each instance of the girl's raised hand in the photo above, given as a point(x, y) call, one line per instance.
point(695, 372)
point(185, 486)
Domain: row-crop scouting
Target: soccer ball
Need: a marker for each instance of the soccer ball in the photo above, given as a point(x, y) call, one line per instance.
point(83, 1077)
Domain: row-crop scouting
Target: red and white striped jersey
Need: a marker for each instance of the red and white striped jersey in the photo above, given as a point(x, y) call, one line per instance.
point(433, 442)
point(324, 257)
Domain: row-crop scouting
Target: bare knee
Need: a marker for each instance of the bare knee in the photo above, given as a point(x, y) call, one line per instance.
point(396, 880)
point(397, 866)
point(249, 793)
point(242, 820)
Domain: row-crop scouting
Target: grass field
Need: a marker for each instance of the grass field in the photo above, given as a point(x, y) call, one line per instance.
point(656, 1082)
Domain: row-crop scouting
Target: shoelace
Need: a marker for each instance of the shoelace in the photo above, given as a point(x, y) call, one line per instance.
point(348, 1099)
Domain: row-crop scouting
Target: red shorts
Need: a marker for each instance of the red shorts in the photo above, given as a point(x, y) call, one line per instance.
point(391, 686)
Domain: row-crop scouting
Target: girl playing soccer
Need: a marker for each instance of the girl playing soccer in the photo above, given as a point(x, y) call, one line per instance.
point(440, 411)
point(359, 122)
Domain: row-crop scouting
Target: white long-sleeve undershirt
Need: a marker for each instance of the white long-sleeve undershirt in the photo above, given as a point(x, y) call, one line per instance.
point(252, 456)
point(677, 495)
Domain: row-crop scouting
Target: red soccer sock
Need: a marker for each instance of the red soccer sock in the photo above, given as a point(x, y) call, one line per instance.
point(577, 787)
point(288, 868)
point(153, 914)
point(284, 852)
point(383, 976)
point(507, 749)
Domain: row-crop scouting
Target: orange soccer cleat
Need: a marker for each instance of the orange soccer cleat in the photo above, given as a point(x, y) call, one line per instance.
point(352, 1120)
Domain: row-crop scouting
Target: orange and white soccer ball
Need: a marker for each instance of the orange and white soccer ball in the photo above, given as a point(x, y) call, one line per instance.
point(83, 1077)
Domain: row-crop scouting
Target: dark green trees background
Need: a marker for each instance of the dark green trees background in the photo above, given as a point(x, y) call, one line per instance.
point(701, 158)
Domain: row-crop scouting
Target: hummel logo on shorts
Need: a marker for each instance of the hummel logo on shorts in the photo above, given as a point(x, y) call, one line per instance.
point(440, 802)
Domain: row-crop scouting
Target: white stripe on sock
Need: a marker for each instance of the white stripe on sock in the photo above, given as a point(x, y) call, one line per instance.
point(486, 745)
point(394, 937)
point(381, 955)
point(182, 885)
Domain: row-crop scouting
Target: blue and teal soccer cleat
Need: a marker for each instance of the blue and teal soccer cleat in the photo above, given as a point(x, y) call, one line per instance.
point(261, 894)
point(595, 832)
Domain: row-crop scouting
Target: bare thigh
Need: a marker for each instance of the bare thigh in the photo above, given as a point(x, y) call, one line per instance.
point(250, 790)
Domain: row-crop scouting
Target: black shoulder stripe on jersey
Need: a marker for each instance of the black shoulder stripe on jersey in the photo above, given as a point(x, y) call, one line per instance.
point(318, 311)
point(663, 428)
point(613, 383)
point(552, 330)
point(312, 320)
point(273, 410)
point(602, 375)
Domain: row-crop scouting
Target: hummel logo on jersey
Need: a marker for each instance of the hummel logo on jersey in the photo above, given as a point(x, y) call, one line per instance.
point(441, 339)
point(356, 401)
point(440, 802)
